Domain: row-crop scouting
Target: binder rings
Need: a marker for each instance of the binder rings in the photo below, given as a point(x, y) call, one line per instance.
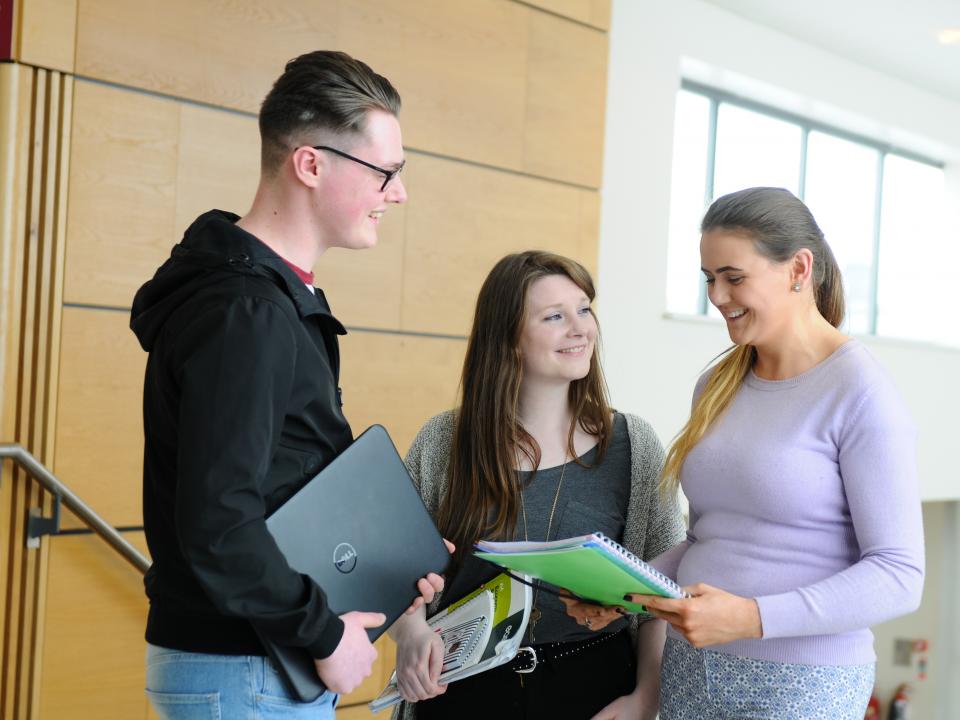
point(360, 531)
point(593, 567)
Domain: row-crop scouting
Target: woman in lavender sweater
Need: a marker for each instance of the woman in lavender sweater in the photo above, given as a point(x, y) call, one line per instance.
point(799, 464)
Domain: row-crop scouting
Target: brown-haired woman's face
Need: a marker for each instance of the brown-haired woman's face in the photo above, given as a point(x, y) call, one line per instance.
point(751, 292)
point(559, 331)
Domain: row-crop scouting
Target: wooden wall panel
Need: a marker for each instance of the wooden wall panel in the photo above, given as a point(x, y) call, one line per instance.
point(93, 654)
point(589, 247)
point(35, 126)
point(48, 31)
point(470, 219)
point(498, 83)
point(399, 381)
point(15, 101)
point(356, 712)
point(566, 99)
point(589, 12)
point(100, 432)
point(458, 65)
point(223, 52)
point(122, 192)
point(218, 165)
point(16, 597)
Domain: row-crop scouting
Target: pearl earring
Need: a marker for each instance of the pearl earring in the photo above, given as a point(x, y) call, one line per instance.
point(797, 287)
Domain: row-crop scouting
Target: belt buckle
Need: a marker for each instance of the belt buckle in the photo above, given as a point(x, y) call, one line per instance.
point(533, 655)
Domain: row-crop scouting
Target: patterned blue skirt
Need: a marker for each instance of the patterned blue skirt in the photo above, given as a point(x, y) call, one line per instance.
point(710, 685)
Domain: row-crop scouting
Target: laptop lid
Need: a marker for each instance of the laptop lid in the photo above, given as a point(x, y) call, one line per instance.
point(360, 530)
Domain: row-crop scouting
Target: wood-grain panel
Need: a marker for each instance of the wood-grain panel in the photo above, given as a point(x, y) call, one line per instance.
point(398, 381)
point(35, 130)
point(95, 615)
point(218, 163)
point(14, 144)
point(356, 712)
point(223, 52)
point(48, 30)
point(565, 100)
point(16, 596)
point(123, 175)
point(497, 83)
point(589, 12)
point(589, 232)
point(100, 429)
point(466, 219)
point(459, 65)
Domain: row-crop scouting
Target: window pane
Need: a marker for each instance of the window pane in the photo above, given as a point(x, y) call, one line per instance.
point(841, 193)
point(755, 150)
point(687, 191)
point(917, 260)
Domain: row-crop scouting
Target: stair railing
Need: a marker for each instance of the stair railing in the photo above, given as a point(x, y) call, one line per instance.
point(38, 525)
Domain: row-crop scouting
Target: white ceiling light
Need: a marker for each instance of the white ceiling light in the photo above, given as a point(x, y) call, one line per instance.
point(949, 36)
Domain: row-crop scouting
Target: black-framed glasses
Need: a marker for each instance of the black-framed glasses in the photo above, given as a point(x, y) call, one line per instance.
point(389, 175)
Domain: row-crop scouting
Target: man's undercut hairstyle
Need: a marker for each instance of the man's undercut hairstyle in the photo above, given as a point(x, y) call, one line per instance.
point(323, 91)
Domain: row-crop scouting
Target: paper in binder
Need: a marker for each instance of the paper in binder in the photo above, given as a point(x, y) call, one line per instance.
point(482, 630)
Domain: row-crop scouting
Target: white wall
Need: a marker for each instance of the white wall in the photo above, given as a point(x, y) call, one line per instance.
point(653, 361)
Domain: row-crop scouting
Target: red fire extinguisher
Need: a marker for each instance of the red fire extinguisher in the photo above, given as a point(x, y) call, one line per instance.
point(873, 709)
point(900, 705)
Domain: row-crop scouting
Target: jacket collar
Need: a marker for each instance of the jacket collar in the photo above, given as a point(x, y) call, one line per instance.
point(246, 254)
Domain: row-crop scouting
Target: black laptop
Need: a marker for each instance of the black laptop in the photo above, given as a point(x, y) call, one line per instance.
point(360, 530)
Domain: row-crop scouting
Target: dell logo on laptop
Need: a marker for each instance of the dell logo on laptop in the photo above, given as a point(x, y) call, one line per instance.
point(345, 557)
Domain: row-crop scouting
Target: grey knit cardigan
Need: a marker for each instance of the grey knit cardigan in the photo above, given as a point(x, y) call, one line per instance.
point(653, 523)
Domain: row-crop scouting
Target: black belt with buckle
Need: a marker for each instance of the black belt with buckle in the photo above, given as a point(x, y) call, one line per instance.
point(530, 656)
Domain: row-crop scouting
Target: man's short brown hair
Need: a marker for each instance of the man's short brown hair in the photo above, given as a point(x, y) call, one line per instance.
point(322, 90)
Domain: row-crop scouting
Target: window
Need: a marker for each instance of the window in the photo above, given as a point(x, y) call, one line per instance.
point(841, 193)
point(918, 267)
point(881, 209)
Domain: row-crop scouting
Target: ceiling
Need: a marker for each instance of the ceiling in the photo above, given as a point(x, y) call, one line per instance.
point(895, 37)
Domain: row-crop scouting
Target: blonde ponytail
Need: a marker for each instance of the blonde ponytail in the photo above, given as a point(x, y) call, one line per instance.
point(725, 379)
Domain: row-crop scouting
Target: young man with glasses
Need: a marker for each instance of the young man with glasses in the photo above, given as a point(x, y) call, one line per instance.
point(242, 407)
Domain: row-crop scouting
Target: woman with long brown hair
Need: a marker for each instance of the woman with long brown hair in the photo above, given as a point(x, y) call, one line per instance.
point(800, 467)
point(534, 452)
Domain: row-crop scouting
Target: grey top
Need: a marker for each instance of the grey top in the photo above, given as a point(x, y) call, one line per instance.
point(652, 524)
point(591, 499)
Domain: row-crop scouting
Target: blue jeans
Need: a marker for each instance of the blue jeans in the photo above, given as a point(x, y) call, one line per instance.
point(699, 684)
point(198, 686)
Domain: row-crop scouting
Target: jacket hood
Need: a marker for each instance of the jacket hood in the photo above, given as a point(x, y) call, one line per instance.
point(214, 249)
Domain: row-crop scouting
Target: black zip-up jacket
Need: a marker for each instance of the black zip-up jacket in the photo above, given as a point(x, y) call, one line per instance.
point(240, 408)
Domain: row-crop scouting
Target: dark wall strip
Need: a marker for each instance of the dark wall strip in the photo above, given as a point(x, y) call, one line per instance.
point(6, 29)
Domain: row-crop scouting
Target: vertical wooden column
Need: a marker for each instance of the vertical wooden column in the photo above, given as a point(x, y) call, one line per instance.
point(34, 137)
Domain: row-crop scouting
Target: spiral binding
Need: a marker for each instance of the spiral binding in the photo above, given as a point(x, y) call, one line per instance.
point(639, 565)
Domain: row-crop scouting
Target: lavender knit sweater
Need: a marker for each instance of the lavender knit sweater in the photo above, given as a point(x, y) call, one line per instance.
point(804, 496)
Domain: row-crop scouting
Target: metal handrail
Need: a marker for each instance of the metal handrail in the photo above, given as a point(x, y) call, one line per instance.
point(78, 507)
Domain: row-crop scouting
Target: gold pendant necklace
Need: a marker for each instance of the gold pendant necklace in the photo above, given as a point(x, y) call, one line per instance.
point(535, 613)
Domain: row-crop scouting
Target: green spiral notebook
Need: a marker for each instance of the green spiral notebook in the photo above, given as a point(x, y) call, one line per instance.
point(593, 567)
